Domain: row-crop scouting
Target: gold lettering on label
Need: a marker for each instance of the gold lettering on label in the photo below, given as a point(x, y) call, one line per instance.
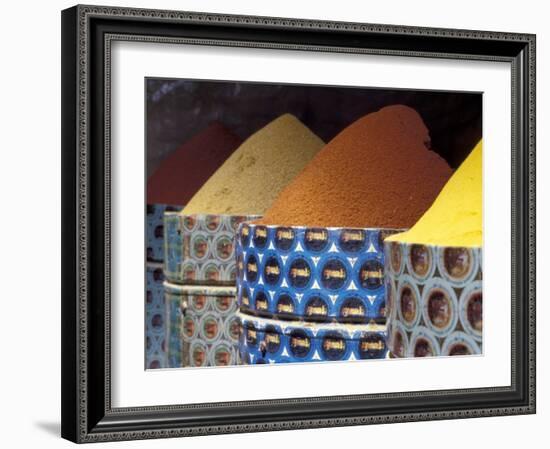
point(316, 310)
point(252, 267)
point(316, 235)
point(287, 308)
point(370, 346)
point(353, 311)
point(272, 270)
point(285, 234)
point(261, 304)
point(334, 344)
point(261, 232)
point(295, 272)
point(272, 338)
point(352, 237)
point(339, 274)
point(298, 342)
point(365, 274)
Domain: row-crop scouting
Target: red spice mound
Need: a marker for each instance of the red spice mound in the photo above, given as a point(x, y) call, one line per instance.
point(183, 172)
point(378, 172)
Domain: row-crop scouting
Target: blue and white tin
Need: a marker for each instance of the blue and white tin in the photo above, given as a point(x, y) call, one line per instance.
point(311, 274)
point(155, 230)
point(155, 318)
point(272, 341)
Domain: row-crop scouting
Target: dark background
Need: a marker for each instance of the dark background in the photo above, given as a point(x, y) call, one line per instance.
point(179, 109)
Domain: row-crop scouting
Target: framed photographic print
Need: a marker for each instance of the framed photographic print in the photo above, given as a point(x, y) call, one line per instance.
point(277, 224)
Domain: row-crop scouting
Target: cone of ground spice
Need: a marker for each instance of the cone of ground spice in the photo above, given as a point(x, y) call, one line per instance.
point(455, 217)
point(378, 172)
point(183, 172)
point(250, 179)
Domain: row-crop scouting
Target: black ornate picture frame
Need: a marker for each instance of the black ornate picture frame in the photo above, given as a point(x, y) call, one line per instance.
point(87, 34)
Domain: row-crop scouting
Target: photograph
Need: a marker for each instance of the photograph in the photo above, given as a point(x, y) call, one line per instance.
point(287, 222)
point(291, 223)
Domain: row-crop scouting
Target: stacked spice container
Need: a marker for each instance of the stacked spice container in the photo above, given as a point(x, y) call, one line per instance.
point(434, 273)
point(310, 273)
point(168, 192)
point(199, 266)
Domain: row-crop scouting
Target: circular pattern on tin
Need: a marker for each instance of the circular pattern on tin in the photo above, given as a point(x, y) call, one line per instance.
point(421, 261)
point(190, 328)
point(471, 309)
point(334, 272)
point(198, 303)
point(189, 222)
point(156, 323)
point(334, 346)
point(408, 302)
point(459, 343)
point(232, 328)
point(316, 240)
point(300, 344)
point(260, 236)
point(211, 223)
point(211, 271)
point(423, 344)
point(261, 302)
point(351, 309)
point(221, 354)
point(189, 271)
point(273, 342)
point(458, 265)
point(198, 351)
point(285, 305)
point(299, 272)
point(224, 305)
point(251, 269)
point(352, 241)
point(223, 246)
point(210, 327)
point(244, 233)
point(199, 246)
point(371, 345)
point(316, 307)
point(370, 274)
point(284, 238)
point(440, 306)
point(398, 340)
point(158, 275)
point(395, 257)
point(272, 269)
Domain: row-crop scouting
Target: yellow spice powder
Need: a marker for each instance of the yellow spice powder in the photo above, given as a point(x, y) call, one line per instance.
point(252, 177)
point(455, 217)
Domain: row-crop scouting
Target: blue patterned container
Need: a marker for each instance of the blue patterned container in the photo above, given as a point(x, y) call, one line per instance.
point(155, 230)
point(155, 318)
point(311, 274)
point(272, 341)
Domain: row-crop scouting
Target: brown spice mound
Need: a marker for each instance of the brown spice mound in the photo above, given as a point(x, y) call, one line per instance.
point(184, 171)
point(378, 172)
